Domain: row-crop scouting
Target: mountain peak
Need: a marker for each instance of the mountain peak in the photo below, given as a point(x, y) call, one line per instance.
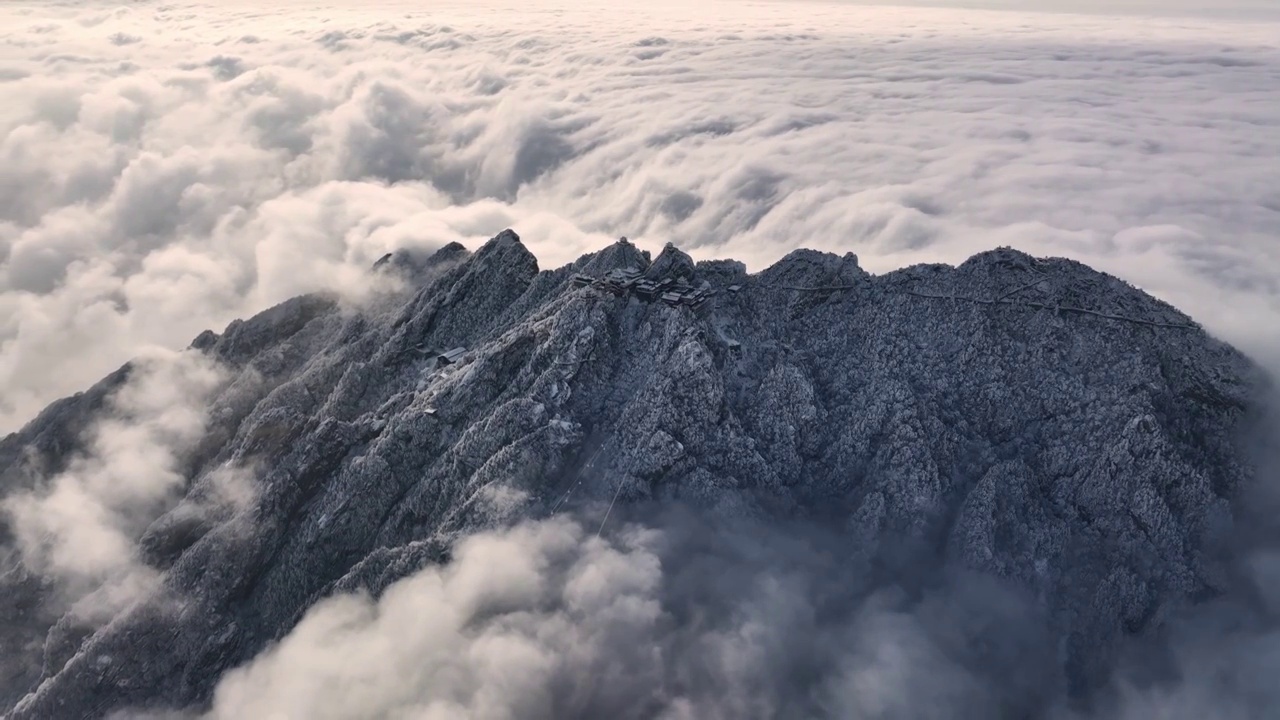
point(812, 268)
point(618, 255)
point(505, 247)
point(671, 262)
point(506, 237)
point(997, 417)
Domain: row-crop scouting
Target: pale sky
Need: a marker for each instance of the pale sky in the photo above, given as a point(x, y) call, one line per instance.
point(1225, 9)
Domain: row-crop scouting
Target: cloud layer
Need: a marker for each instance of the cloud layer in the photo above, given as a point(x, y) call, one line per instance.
point(165, 168)
point(678, 619)
point(80, 528)
point(547, 621)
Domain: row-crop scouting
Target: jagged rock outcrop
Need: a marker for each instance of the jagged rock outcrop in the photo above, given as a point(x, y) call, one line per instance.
point(1028, 418)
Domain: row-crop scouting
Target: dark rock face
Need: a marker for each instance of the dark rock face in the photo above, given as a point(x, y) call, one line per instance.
point(1031, 419)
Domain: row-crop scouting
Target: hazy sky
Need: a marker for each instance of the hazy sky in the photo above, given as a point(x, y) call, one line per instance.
point(167, 167)
point(1226, 9)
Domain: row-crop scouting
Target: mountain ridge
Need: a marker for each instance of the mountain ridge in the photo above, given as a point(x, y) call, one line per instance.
point(1026, 418)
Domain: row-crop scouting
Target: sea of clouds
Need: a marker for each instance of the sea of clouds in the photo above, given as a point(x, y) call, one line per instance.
point(168, 167)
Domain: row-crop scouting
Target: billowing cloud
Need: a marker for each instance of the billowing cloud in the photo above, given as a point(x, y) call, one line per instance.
point(166, 168)
point(546, 620)
point(81, 527)
point(681, 618)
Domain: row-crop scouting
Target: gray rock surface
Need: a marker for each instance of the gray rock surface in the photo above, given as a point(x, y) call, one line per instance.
point(1028, 418)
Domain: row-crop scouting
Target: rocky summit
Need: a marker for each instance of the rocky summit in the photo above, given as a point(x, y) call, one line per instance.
point(1028, 419)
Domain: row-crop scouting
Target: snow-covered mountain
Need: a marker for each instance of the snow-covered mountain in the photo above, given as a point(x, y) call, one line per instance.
point(1026, 419)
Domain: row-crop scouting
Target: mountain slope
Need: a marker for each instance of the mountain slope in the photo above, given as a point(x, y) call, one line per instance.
point(1031, 419)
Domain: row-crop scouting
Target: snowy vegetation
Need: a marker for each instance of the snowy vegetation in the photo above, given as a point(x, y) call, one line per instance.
point(1029, 419)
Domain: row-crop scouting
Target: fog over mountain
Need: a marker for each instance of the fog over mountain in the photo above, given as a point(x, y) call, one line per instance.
point(1013, 488)
point(959, 407)
point(170, 167)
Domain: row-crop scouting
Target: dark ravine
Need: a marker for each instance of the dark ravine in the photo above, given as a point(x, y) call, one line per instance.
point(1028, 418)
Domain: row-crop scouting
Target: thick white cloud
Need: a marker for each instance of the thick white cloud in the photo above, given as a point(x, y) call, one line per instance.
point(165, 168)
point(80, 528)
point(546, 620)
point(1229, 9)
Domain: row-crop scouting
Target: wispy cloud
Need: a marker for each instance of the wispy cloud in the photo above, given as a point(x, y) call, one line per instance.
point(546, 620)
point(167, 168)
point(81, 527)
point(682, 619)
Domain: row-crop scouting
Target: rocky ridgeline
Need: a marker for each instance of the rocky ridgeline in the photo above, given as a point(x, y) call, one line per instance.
point(1029, 418)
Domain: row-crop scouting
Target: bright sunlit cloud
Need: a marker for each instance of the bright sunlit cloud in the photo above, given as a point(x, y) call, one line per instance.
point(165, 168)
